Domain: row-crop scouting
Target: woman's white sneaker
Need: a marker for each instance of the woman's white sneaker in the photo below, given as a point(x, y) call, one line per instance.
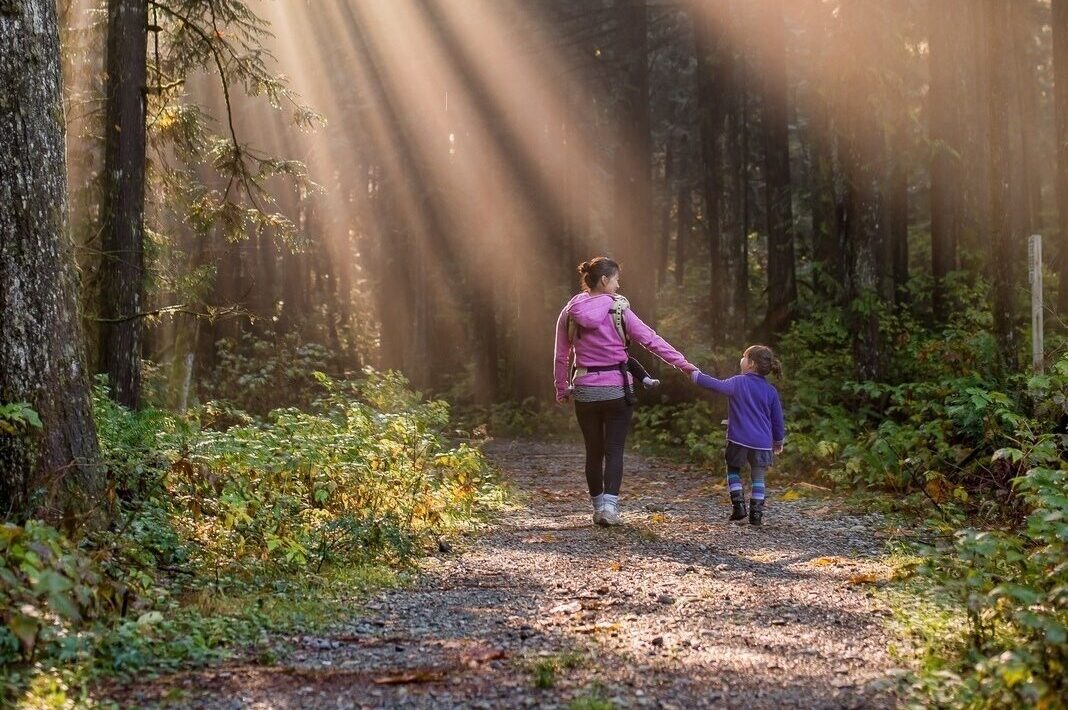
point(610, 515)
point(598, 509)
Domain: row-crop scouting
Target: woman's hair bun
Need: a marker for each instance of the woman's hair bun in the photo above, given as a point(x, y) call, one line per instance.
point(584, 267)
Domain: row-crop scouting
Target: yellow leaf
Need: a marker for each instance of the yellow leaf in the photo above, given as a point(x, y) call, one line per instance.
point(863, 578)
point(657, 518)
point(790, 495)
point(824, 561)
point(615, 566)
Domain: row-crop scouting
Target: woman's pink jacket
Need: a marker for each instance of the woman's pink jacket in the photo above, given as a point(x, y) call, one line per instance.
point(598, 342)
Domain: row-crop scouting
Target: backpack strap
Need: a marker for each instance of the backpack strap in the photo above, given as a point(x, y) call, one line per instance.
point(620, 305)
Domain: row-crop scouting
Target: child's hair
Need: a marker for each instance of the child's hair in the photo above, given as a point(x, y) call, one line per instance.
point(764, 359)
point(591, 271)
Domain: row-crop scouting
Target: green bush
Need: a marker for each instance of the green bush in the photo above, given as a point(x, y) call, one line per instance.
point(222, 515)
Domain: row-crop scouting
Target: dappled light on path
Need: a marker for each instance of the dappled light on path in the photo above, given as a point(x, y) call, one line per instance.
point(677, 608)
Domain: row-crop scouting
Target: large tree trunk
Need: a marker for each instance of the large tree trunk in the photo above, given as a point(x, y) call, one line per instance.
point(1060, 68)
point(122, 267)
point(51, 472)
point(782, 282)
point(632, 194)
point(737, 236)
point(714, 68)
point(944, 127)
point(861, 155)
point(1003, 240)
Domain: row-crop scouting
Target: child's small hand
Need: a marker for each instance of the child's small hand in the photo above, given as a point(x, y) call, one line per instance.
point(778, 449)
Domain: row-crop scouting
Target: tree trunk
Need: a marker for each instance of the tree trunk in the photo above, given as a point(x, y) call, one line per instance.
point(861, 147)
point(714, 79)
point(123, 204)
point(51, 472)
point(632, 198)
point(782, 282)
point(1003, 241)
point(944, 127)
point(665, 220)
point(1060, 68)
point(1027, 198)
point(826, 246)
point(738, 164)
point(682, 233)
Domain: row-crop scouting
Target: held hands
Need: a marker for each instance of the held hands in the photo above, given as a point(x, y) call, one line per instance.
point(778, 448)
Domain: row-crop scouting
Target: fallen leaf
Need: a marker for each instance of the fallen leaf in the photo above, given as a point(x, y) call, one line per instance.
point(424, 676)
point(864, 578)
point(790, 495)
point(824, 561)
point(482, 655)
point(657, 518)
point(615, 566)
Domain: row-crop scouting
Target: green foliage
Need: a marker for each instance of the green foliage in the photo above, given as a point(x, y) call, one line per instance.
point(230, 526)
point(544, 671)
point(16, 417)
point(258, 374)
point(1012, 589)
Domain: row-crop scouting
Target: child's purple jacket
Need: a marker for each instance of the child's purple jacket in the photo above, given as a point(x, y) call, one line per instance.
point(754, 413)
point(599, 342)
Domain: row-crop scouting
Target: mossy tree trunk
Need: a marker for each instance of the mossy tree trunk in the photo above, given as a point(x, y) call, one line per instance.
point(51, 471)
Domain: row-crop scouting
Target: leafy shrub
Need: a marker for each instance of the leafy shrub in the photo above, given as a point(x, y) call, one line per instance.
point(216, 504)
point(257, 374)
point(1012, 588)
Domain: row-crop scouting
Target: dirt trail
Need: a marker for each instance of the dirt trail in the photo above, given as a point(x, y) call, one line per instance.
point(677, 608)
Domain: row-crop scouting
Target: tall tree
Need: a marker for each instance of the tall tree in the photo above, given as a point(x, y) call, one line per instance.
point(944, 128)
point(861, 142)
point(1060, 68)
point(1004, 242)
point(55, 474)
point(632, 186)
point(826, 246)
point(714, 68)
point(782, 281)
point(123, 205)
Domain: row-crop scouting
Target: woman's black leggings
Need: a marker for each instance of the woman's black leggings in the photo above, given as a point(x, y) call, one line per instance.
point(604, 427)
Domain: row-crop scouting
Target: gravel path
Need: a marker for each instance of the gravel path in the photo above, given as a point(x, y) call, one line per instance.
point(676, 609)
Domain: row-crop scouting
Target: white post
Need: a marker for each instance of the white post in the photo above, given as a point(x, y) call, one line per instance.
point(1035, 277)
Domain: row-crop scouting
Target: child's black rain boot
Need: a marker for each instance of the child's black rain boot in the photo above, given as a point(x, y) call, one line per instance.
point(739, 511)
point(756, 512)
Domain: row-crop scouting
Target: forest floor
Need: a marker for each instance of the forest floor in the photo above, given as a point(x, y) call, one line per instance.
point(676, 608)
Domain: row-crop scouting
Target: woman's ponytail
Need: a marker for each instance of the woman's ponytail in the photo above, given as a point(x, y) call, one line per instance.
point(591, 272)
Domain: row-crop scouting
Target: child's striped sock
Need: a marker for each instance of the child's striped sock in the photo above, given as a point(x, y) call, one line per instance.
point(734, 485)
point(758, 484)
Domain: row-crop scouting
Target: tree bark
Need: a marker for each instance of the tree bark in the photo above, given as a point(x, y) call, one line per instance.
point(944, 127)
point(1060, 68)
point(123, 206)
point(782, 281)
point(51, 472)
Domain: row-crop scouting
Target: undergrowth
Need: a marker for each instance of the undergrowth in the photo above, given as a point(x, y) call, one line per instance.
point(228, 527)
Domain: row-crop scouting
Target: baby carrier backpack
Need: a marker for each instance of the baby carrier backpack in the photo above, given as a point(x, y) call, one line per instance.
point(620, 304)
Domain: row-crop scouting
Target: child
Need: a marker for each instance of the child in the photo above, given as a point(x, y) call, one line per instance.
point(755, 427)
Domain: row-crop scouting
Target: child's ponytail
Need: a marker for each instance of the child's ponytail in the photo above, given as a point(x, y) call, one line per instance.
point(765, 360)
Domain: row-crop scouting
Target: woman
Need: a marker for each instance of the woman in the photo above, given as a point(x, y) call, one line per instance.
point(595, 326)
